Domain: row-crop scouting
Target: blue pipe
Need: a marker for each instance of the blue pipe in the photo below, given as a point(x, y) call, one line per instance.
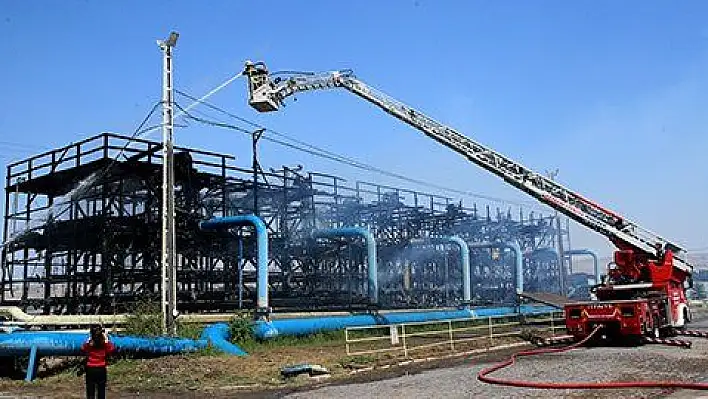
point(261, 243)
point(371, 259)
point(271, 329)
point(596, 265)
point(464, 254)
point(57, 343)
point(217, 334)
point(519, 262)
point(518, 258)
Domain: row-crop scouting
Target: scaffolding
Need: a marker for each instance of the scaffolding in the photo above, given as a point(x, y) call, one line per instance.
point(82, 235)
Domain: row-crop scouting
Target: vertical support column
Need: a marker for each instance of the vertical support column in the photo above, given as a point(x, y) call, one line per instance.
point(559, 236)
point(338, 220)
point(5, 273)
point(46, 309)
point(25, 252)
point(255, 165)
point(452, 341)
point(169, 258)
point(109, 257)
point(491, 332)
point(224, 189)
point(561, 257)
point(32, 365)
point(570, 245)
point(239, 266)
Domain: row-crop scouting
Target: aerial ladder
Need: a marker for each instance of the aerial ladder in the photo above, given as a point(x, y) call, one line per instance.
point(649, 273)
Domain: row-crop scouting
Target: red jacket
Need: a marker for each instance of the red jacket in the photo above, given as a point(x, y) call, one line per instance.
point(97, 356)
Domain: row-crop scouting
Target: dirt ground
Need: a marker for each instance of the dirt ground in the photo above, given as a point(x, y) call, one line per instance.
point(255, 376)
point(221, 377)
point(258, 375)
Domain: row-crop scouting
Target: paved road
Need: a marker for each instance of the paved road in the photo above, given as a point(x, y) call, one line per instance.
point(650, 362)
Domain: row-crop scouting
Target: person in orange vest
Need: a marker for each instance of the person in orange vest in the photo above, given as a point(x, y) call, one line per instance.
point(97, 348)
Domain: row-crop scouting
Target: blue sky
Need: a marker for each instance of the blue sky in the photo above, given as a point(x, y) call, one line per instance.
point(613, 94)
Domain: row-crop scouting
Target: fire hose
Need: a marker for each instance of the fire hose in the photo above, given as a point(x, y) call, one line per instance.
point(484, 375)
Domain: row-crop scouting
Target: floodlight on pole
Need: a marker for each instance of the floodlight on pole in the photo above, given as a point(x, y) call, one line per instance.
point(172, 40)
point(169, 256)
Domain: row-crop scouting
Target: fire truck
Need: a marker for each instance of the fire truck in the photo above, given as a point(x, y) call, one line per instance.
point(643, 292)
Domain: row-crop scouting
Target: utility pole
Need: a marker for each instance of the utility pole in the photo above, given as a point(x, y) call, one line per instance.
point(169, 258)
point(561, 252)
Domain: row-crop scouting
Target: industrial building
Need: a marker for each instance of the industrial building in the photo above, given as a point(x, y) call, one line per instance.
point(82, 236)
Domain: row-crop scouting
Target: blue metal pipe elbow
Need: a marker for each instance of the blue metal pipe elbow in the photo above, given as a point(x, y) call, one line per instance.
point(227, 222)
point(465, 258)
point(519, 262)
point(466, 268)
point(218, 336)
point(596, 264)
point(371, 258)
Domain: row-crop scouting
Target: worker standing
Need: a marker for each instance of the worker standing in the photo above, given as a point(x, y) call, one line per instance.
point(97, 349)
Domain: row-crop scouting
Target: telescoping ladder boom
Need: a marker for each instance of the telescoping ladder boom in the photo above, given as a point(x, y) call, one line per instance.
point(267, 95)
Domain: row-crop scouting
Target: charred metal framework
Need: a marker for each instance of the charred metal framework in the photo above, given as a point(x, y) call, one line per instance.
point(82, 235)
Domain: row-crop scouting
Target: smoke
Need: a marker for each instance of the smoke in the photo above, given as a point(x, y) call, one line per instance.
point(60, 206)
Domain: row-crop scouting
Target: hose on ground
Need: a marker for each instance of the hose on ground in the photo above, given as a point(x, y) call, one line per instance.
point(483, 375)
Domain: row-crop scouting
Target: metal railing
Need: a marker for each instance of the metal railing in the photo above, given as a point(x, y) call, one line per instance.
point(455, 335)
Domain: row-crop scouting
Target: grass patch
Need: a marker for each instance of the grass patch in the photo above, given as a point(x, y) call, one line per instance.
point(350, 362)
point(189, 330)
point(320, 339)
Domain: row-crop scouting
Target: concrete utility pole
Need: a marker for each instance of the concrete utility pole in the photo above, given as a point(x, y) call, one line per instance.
point(169, 257)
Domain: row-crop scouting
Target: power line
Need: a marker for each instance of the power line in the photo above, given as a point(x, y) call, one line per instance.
point(138, 131)
point(323, 153)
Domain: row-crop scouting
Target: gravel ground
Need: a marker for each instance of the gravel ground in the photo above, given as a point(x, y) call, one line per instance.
point(653, 362)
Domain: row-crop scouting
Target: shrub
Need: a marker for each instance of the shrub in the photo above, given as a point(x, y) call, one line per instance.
point(189, 330)
point(241, 328)
point(145, 319)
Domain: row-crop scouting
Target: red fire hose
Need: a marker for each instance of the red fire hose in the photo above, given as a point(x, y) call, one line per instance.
point(483, 375)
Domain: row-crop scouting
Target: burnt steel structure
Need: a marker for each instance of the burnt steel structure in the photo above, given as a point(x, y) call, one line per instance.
point(82, 235)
